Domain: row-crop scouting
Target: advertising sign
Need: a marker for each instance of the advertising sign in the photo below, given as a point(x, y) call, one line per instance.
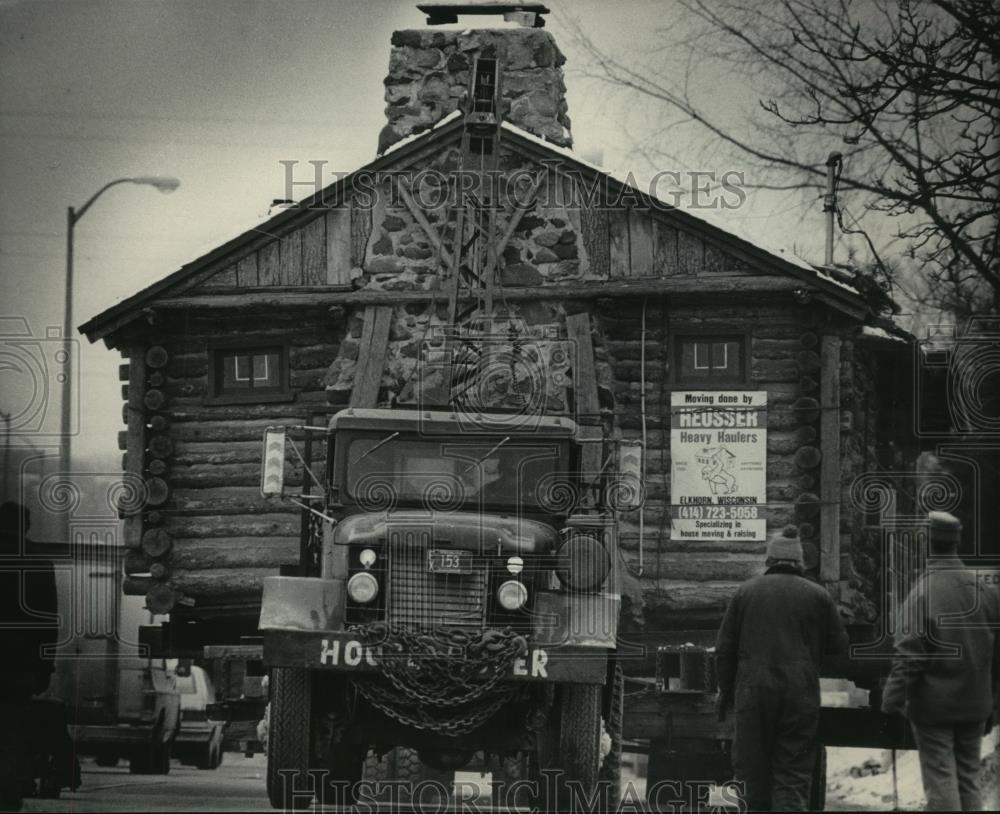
point(718, 464)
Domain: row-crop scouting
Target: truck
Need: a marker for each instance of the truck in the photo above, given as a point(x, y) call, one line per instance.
point(139, 721)
point(456, 599)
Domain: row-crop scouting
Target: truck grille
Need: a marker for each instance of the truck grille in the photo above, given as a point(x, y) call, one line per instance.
point(423, 599)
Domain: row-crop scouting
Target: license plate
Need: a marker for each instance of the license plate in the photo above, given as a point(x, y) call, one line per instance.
point(447, 561)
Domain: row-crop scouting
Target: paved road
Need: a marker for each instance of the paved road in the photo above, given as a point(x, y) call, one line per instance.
point(237, 785)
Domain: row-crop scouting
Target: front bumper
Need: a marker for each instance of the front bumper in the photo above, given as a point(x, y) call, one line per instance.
point(303, 626)
point(344, 652)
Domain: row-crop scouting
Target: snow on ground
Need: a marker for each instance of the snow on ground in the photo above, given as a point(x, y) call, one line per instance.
point(875, 792)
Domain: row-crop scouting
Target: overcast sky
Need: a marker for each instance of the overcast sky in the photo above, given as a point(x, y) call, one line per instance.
point(217, 93)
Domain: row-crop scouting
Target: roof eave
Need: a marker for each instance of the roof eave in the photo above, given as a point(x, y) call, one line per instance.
point(130, 309)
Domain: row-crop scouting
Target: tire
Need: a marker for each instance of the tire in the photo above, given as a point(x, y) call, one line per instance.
point(578, 754)
point(289, 737)
point(211, 756)
point(403, 764)
point(206, 760)
point(610, 774)
point(817, 788)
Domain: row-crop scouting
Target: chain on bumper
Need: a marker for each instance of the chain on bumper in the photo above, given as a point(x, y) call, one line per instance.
point(446, 680)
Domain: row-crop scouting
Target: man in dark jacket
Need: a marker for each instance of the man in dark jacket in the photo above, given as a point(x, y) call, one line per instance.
point(775, 633)
point(947, 667)
point(26, 597)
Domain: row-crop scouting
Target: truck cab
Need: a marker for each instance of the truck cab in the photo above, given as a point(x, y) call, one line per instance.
point(460, 595)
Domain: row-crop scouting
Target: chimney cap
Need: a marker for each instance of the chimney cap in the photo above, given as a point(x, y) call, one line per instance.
point(444, 13)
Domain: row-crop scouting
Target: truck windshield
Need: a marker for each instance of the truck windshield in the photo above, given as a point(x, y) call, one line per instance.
point(444, 475)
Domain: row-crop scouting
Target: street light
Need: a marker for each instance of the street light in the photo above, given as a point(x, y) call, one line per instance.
point(163, 183)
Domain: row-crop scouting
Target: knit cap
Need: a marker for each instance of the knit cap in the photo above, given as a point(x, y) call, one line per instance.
point(785, 545)
point(944, 528)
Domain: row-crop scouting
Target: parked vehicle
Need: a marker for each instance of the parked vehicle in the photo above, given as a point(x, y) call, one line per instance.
point(199, 740)
point(140, 721)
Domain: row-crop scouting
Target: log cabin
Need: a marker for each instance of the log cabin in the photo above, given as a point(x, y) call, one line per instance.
point(334, 301)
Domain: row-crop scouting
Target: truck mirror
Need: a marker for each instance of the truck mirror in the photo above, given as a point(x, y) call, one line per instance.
point(626, 491)
point(272, 474)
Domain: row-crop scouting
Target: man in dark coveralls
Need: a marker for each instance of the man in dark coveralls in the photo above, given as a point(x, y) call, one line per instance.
point(947, 668)
point(26, 670)
point(776, 630)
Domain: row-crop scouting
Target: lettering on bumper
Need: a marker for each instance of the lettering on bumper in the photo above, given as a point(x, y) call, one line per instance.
point(354, 654)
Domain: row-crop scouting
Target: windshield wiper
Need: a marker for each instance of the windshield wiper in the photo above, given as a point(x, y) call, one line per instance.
point(368, 452)
point(487, 455)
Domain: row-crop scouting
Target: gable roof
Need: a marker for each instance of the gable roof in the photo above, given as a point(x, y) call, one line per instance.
point(838, 292)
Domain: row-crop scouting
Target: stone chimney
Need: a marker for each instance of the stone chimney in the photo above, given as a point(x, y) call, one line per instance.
point(430, 71)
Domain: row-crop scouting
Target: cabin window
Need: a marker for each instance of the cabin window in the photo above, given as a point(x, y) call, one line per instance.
point(250, 374)
point(711, 359)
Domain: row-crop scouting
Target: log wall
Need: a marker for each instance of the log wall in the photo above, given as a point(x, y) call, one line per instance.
point(210, 537)
point(687, 583)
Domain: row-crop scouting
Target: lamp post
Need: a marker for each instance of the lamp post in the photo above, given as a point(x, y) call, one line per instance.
point(165, 184)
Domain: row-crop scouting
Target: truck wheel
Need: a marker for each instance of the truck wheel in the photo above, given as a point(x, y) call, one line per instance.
point(403, 764)
point(578, 753)
point(817, 788)
point(106, 760)
point(207, 760)
point(611, 767)
point(211, 756)
point(289, 738)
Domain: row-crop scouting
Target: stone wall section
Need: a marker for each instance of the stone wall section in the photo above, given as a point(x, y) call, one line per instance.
point(430, 74)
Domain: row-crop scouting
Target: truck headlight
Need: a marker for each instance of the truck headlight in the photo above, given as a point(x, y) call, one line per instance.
point(583, 563)
point(512, 594)
point(362, 588)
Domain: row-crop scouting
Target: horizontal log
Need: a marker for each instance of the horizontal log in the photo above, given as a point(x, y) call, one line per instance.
point(699, 567)
point(206, 475)
point(218, 584)
point(300, 399)
point(136, 562)
point(667, 595)
point(217, 427)
point(775, 370)
point(302, 333)
point(228, 500)
point(698, 288)
point(632, 348)
point(195, 452)
point(185, 527)
point(180, 386)
point(233, 553)
point(137, 585)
